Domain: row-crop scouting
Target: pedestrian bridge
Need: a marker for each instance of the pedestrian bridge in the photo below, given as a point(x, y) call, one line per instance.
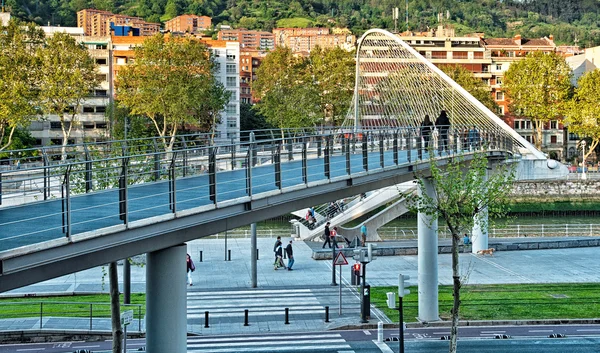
point(67, 209)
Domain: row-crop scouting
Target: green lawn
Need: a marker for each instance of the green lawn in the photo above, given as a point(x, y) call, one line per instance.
point(505, 302)
point(98, 306)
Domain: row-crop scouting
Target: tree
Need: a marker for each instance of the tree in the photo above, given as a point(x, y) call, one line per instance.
point(18, 66)
point(538, 88)
point(471, 84)
point(115, 308)
point(250, 119)
point(66, 77)
point(333, 72)
point(288, 98)
point(463, 195)
point(583, 117)
point(172, 83)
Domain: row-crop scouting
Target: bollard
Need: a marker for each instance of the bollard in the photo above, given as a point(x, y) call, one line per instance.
point(257, 254)
point(228, 255)
point(200, 255)
point(326, 314)
point(246, 318)
point(206, 319)
point(380, 332)
point(287, 316)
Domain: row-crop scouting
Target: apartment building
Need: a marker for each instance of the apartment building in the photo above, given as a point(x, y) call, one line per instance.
point(303, 40)
point(188, 24)
point(250, 60)
point(97, 23)
point(91, 121)
point(226, 55)
point(258, 40)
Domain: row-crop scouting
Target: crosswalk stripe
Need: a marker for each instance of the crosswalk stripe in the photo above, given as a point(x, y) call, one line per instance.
point(251, 292)
point(320, 348)
point(250, 344)
point(232, 302)
point(251, 307)
point(271, 338)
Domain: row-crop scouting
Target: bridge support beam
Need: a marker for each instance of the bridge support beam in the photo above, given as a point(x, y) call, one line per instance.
point(427, 261)
point(166, 301)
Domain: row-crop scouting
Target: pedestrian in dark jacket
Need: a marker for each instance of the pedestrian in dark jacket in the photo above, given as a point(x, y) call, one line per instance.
point(326, 235)
point(190, 268)
point(290, 255)
point(278, 257)
point(426, 129)
point(442, 123)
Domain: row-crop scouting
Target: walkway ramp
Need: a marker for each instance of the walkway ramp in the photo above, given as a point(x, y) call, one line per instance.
point(357, 208)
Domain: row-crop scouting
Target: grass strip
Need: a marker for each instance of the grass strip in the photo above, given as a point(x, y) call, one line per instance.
point(504, 302)
point(95, 305)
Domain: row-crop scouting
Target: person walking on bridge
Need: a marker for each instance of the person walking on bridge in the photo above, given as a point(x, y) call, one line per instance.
point(426, 129)
point(442, 123)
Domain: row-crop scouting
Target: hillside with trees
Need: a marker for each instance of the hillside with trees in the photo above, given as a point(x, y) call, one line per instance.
point(570, 21)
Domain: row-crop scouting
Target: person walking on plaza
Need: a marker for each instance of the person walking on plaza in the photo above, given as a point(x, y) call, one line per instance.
point(278, 256)
point(190, 268)
point(290, 255)
point(326, 235)
point(333, 235)
point(443, 124)
point(363, 234)
point(277, 243)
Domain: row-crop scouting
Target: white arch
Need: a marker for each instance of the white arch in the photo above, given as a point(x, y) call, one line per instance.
point(395, 84)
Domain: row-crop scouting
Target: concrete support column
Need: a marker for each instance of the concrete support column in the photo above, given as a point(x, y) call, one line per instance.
point(427, 261)
point(253, 257)
point(479, 236)
point(166, 301)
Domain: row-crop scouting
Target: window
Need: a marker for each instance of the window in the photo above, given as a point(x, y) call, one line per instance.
point(499, 96)
point(498, 67)
point(554, 124)
point(553, 139)
point(101, 61)
point(230, 55)
point(231, 109)
point(502, 110)
point(231, 69)
point(100, 109)
point(231, 81)
point(100, 125)
point(231, 123)
point(498, 80)
point(55, 124)
point(101, 46)
point(87, 109)
point(101, 93)
point(88, 126)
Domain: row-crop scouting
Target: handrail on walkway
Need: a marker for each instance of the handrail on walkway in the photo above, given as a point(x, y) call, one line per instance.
point(80, 188)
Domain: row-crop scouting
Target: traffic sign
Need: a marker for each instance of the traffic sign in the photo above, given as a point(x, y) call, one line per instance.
point(340, 259)
point(126, 317)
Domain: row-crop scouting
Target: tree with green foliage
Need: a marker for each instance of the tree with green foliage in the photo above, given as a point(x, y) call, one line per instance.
point(287, 96)
point(18, 68)
point(66, 77)
point(333, 71)
point(538, 88)
point(471, 84)
point(583, 117)
point(252, 119)
point(464, 194)
point(172, 83)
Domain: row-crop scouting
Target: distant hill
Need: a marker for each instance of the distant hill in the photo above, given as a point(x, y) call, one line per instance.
point(570, 21)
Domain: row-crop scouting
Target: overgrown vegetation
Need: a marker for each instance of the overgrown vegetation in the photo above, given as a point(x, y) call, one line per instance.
point(570, 21)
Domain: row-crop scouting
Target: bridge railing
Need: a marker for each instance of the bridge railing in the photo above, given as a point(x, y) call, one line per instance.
point(78, 188)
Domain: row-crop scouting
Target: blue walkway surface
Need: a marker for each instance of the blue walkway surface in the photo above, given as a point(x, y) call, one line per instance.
point(40, 221)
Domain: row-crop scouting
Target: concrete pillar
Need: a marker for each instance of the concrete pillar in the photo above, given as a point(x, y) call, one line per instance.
point(428, 261)
point(253, 254)
point(479, 234)
point(166, 301)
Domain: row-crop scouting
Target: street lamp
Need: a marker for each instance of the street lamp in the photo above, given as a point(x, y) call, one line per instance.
point(583, 176)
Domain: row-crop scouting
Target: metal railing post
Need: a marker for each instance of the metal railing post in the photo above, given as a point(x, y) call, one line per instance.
point(41, 314)
point(277, 160)
point(212, 173)
point(67, 203)
point(381, 159)
point(396, 147)
point(173, 184)
point(156, 161)
point(232, 154)
point(304, 162)
point(184, 161)
point(327, 158)
point(409, 146)
point(46, 174)
point(319, 143)
point(249, 172)
point(365, 153)
point(347, 151)
point(88, 169)
point(123, 212)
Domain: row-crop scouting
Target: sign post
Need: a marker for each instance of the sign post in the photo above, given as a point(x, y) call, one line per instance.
point(126, 319)
point(340, 260)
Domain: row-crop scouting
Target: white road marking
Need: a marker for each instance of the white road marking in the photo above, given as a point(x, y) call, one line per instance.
point(383, 347)
point(541, 330)
point(367, 332)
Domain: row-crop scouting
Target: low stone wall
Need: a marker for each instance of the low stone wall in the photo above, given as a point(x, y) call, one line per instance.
point(556, 190)
point(399, 250)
